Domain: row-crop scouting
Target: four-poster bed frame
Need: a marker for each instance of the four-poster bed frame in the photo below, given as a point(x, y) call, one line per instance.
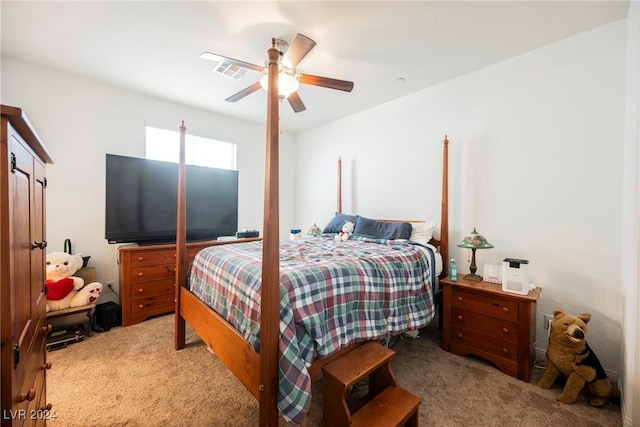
point(258, 372)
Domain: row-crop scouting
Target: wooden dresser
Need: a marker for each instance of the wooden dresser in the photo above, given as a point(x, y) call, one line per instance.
point(22, 287)
point(480, 319)
point(147, 278)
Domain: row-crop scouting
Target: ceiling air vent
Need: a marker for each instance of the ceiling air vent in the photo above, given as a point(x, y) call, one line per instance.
point(229, 70)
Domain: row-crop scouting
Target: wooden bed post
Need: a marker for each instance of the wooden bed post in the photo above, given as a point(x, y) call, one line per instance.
point(339, 206)
point(270, 293)
point(444, 213)
point(181, 242)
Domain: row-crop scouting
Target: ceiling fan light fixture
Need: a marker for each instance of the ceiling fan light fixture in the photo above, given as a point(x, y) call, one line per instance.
point(287, 84)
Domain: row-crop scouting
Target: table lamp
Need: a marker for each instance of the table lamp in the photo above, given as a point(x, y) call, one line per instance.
point(474, 241)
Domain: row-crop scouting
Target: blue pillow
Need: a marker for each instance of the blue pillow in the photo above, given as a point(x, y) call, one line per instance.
point(335, 225)
point(382, 230)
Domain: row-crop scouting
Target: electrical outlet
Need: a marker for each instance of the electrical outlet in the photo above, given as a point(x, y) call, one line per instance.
point(109, 285)
point(548, 320)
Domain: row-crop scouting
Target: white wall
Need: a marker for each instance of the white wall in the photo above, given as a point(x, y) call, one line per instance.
point(630, 260)
point(535, 149)
point(80, 120)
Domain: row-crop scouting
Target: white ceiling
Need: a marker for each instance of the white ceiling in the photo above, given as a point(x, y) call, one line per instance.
point(154, 47)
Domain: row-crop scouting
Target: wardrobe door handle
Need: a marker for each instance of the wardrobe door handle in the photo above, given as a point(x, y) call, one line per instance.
point(39, 245)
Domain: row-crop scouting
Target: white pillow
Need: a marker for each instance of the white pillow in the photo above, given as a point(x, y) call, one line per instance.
point(422, 231)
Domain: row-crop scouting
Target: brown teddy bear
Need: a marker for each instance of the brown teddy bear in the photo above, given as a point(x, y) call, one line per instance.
point(568, 354)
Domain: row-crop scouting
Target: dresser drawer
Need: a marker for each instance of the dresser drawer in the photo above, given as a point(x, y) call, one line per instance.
point(166, 256)
point(483, 342)
point(150, 306)
point(152, 288)
point(487, 304)
point(32, 359)
point(36, 412)
point(492, 326)
point(153, 272)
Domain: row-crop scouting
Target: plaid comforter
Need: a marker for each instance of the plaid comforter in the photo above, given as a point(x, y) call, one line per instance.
point(331, 294)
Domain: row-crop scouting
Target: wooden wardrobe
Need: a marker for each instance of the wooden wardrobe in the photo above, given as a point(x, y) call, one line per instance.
point(23, 324)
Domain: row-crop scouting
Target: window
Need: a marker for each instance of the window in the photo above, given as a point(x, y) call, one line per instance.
point(164, 145)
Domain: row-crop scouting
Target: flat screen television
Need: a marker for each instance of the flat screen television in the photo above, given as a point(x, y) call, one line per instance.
point(141, 201)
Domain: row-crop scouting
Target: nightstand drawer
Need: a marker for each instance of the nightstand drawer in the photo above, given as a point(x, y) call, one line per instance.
point(498, 328)
point(153, 272)
point(479, 341)
point(167, 256)
point(485, 304)
point(146, 307)
point(148, 289)
point(480, 319)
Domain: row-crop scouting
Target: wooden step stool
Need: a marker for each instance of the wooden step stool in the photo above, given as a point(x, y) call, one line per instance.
point(386, 404)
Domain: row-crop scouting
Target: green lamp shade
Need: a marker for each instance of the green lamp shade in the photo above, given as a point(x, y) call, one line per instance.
point(475, 241)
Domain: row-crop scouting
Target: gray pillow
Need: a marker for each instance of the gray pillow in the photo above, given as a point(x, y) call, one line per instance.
point(382, 230)
point(335, 225)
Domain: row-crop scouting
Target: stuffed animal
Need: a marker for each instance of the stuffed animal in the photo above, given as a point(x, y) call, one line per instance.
point(65, 290)
point(568, 354)
point(347, 231)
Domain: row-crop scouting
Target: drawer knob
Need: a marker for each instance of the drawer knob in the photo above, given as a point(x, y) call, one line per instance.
point(46, 365)
point(505, 350)
point(171, 270)
point(141, 306)
point(140, 258)
point(140, 274)
point(505, 330)
point(460, 335)
point(505, 309)
point(30, 395)
point(459, 316)
point(48, 407)
point(141, 290)
point(47, 328)
point(460, 299)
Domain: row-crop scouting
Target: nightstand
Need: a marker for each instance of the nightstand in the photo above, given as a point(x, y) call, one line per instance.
point(479, 318)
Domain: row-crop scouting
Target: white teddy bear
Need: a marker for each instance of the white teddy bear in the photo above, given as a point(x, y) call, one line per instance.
point(347, 231)
point(65, 290)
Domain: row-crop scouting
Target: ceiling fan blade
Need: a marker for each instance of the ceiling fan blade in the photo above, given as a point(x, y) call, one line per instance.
point(296, 103)
point(244, 92)
point(300, 47)
point(309, 79)
point(219, 58)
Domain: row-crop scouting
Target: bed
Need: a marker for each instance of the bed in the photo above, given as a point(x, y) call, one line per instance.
point(254, 352)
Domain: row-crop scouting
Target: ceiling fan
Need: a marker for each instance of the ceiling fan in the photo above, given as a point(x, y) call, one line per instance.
point(288, 79)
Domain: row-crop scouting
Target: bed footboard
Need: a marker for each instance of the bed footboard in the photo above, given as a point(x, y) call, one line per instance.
point(223, 340)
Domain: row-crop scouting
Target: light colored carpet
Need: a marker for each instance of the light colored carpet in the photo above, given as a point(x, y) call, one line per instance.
point(133, 377)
